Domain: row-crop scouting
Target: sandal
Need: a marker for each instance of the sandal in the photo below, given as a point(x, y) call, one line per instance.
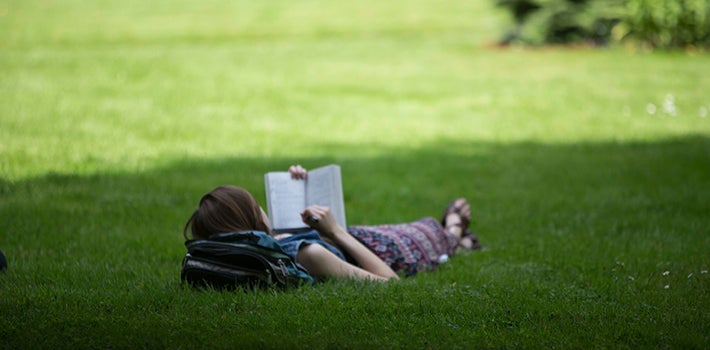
point(456, 207)
point(468, 239)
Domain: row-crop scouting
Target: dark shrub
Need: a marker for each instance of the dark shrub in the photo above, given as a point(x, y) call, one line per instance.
point(656, 23)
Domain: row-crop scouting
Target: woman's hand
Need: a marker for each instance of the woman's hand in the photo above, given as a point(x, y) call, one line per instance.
point(321, 219)
point(297, 172)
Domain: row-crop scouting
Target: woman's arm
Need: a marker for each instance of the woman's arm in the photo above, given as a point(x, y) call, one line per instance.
point(323, 263)
point(321, 219)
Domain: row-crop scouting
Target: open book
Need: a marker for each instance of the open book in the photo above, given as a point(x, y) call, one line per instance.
point(286, 198)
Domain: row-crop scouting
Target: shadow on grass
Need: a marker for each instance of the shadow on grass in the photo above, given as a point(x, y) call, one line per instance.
point(565, 224)
point(522, 194)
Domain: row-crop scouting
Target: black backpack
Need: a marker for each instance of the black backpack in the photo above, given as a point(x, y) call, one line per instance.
point(247, 259)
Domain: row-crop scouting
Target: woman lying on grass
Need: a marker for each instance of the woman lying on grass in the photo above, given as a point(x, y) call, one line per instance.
point(360, 252)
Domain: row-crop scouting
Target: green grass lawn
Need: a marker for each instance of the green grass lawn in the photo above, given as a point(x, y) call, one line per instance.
point(588, 169)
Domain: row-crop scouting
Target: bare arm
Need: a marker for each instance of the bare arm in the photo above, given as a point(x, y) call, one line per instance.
point(372, 266)
point(323, 263)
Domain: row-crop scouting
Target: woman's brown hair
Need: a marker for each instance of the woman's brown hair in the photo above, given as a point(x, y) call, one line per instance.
point(225, 209)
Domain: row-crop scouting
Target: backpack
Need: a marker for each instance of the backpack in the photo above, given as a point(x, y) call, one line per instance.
point(248, 259)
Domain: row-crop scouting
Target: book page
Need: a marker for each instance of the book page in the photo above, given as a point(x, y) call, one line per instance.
point(285, 199)
point(324, 187)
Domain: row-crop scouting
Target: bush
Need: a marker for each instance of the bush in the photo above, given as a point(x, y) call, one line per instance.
point(667, 23)
point(656, 23)
point(561, 21)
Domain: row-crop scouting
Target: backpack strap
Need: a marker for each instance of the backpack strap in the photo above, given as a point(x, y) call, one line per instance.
point(259, 238)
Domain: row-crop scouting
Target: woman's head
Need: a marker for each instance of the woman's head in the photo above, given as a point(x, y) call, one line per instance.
point(226, 209)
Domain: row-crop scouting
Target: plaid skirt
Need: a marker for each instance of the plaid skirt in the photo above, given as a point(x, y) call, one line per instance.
point(409, 247)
